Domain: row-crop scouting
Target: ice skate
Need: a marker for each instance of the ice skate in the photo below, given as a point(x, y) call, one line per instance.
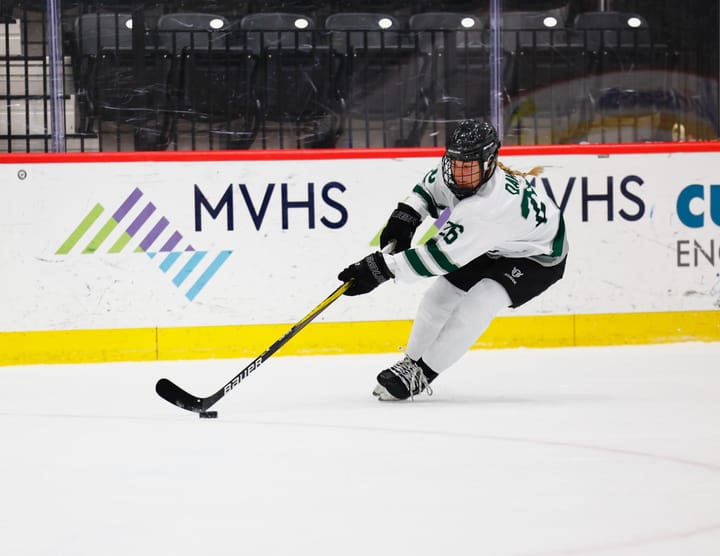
point(405, 379)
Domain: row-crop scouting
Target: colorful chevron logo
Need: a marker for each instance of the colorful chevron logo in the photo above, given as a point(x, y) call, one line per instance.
point(181, 261)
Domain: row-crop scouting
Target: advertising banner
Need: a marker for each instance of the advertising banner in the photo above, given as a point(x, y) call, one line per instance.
point(123, 244)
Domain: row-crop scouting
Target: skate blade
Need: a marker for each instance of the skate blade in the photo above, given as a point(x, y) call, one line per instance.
point(383, 395)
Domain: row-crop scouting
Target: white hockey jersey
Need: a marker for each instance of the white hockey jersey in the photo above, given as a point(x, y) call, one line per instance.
point(506, 217)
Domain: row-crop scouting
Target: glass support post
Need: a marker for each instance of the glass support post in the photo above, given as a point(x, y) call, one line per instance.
point(496, 61)
point(56, 68)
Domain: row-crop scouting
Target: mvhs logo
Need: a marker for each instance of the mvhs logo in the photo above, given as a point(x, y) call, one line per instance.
point(148, 234)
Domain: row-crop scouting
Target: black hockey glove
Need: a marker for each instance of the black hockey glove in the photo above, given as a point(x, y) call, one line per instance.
point(366, 274)
point(400, 228)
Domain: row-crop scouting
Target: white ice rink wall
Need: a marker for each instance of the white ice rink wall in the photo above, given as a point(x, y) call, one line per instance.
point(138, 256)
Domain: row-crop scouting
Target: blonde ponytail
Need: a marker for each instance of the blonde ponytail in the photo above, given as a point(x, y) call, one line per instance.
point(534, 172)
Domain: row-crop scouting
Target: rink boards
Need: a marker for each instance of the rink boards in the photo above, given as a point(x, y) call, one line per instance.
point(142, 256)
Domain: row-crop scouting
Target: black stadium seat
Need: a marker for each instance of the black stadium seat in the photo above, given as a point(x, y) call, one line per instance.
point(456, 75)
point(295, 76)
point(121, 76)
point(211, 84)
point(617, 41)
point(542, 49)
point(379, 79)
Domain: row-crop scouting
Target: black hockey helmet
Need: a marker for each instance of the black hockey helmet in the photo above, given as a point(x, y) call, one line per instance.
point(471, 140)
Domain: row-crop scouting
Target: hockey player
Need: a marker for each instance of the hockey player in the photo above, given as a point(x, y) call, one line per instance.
point(503, 244)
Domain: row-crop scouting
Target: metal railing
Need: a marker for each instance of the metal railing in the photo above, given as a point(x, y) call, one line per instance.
point(135, 82)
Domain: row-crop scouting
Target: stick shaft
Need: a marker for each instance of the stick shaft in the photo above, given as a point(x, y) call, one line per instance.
point(171, 392)
point(284, 339)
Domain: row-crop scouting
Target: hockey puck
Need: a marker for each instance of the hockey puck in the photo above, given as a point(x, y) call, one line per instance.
point(208, 414)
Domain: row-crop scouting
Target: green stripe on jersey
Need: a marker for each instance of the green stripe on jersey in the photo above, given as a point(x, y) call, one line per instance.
point(559, 240)
point(416, 264)
point(429, 201)
point(440, 257)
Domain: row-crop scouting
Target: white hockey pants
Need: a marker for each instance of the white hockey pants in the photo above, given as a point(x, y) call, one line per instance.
point(449, 320)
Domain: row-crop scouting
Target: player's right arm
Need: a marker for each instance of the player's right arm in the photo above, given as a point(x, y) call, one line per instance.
point(409, 213)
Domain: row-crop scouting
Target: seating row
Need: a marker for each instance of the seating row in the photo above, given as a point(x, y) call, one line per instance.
point(234, 77)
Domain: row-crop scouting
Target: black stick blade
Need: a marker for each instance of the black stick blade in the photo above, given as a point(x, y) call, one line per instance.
point(177, 396)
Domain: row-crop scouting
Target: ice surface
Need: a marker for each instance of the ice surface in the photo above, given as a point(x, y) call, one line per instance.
point(521, 452)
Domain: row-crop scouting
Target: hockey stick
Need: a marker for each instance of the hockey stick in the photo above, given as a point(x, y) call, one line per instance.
point(171, 392)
